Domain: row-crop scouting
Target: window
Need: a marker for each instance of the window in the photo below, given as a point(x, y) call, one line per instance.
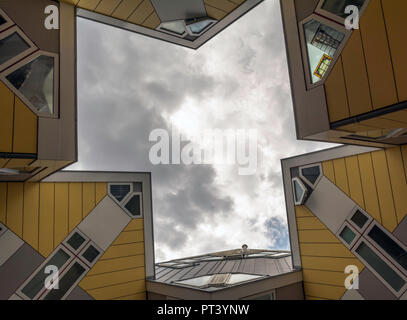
point(311, 174)
point(196, 282)
point(120, 191)
point(321, 40)
point(197, 27)
point(91, 254)
point(219, 280)
point(14, 45)
point(5, 21)
point(388, 245)
point(347, 235)
point(76, 241)
point(359, 219)
point(270, 296)
point(35, 81)
point(337, 7)
point(133, 205)
point(175, 28)
point(380, 267)
point(299, 190)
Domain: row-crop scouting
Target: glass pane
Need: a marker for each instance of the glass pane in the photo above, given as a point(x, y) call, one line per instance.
point(35, 81)
point(359, 219)
point(76, 241)
point(298, 191)
point(337, 7)
point(198, 27)
point(66, 282)
point(177, 27)
point(387, 273)
point(237, 278)
point(37, 283)
point(12, 46)
point(321, 43)
point(311, 174)
point(348, 235)
point(119, 191)
point(389, 245)
point(2, 20)
point(134, 205)
point(196, 282)
point(91, 253)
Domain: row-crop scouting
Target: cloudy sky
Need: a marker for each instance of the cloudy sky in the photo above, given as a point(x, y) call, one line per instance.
point(130, 85)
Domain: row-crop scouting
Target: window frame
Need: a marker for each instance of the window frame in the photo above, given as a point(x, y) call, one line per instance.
point(193, 34)
point(304, 195)
point(83, 259)
point(304, 51)
point(354, 225)
point(83, 245)
point(159, 28)
point(313, 186)
point(358, 235)
point(380, 249)
point(30, 58)
point(23, 55)
point(19, 291)
point(333, 16)
point(381, 256)
point(8, 23)
point(127, 199)
point(120, 203)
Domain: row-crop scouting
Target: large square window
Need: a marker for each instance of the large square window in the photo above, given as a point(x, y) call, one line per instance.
point(337, 7)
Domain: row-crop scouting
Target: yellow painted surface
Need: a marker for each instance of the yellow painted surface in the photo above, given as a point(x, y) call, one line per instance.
point(120, 273)
point(374, 67)
point(6, 118)
point(341, 176)
point(323, 258)
point(88, 198)
point(25, 129)
point(143, 11)
point(43, 214)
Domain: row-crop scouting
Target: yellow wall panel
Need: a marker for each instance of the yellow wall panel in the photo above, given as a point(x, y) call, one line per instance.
point(383, 123)
point(336, 95)
point(337, 250)
point(143, 11)
point(369, 186)
point(215, 12)
point(303, 211)
point(31, 213)
point(224, 5)
point(120, 290)
point(137, 296)
point(117, 264)
point(125, 9)
point(400, 116)
point(341, 176)
point(386, 202)
point(25, 129)
point(404, 155)
point(123, 250)
point(135, 224)
point(6, 118)
point(61, 212)
point(46, 219)
point(88, 4)
point(316, 236)
point(329, 292)
point(14, 219)
point(3, 202)
point(101, 191)
point(112, 278)
point(328, 170)
point(377, 55)
point(107, 7)
point(75, 205)
point(396, 24)
point(357, 82)
point(398, 181)
point(152, 22)
point(88, 198)
point(129, 237)
point(18, 163)
point(324, 277)
point(354, 180)
point(309, 223)
point(329, 263)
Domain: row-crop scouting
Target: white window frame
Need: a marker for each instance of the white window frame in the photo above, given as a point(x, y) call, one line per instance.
point(160, 28)
point(84, 244)
point(32, 57)
point(354, 225)
point(127, 199)
point(334, 17)
point(8, 23)
point(313, 186)
point(358, 235)
point(32, 48)
point(380, 249)
point(381, 256)
point(82, 258)
point(189, 31)
point(304, 195)
point(73, 261)
point(305, 59)
point(63, 267)
point(120, 203)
